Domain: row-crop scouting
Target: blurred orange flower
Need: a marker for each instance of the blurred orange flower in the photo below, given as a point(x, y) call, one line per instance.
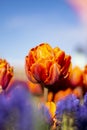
point(6, 73)
point(35, 89)
point(46, 65)
point(62, 94)
point(59, 95)
point(78, 92)
point(76, 77)
point(85, 76)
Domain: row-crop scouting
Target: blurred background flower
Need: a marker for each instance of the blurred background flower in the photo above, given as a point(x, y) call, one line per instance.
point(80, 6)
point(6, 73)
point(18, 110)
point(80, 52)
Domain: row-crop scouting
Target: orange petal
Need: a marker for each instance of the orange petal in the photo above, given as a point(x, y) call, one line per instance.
point(7, 78)
point(76, 77)
point(39, 72)
point(68, 91)
point(66, 64)
point(59, 95)
point(31, 77)
point(54, 73)
point(6, 73)
point(28, 72)
point(2, 75)
point(59, 56)
point(44, 51)
point(78, 92)
point(35, 88)
point(85, 76)
point(29, 60)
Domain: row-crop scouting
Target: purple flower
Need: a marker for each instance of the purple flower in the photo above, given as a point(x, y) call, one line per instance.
point(82, 117)
point(85, 99)
point(69, 104)
point(16, 111)
point(45, 114)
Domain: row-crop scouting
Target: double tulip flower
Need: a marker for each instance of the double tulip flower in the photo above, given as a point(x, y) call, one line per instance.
point(47, 65)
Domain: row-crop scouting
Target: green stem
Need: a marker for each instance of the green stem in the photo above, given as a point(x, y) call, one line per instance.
point(45, 94)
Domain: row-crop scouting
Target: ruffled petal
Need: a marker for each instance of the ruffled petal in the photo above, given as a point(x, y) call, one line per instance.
point(38, 70)
point(54, 74)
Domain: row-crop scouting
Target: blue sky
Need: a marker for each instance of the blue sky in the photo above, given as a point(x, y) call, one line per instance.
point(27, 23)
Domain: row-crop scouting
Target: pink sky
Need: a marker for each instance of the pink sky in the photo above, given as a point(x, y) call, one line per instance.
point(80, 6)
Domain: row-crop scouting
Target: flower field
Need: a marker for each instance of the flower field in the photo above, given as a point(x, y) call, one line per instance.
point(49, 93)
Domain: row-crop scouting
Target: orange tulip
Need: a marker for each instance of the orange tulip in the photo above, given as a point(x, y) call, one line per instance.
point(68, 91)
point(62, 94)
point(6, 73)
point(76, 77)
point(59, 95)
point(46, 65)
point(35, 88)
point(85, 76)
point(78, 92)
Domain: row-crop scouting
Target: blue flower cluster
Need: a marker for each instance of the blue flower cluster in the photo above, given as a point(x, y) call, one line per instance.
point(73, 107)
point(17, 109)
